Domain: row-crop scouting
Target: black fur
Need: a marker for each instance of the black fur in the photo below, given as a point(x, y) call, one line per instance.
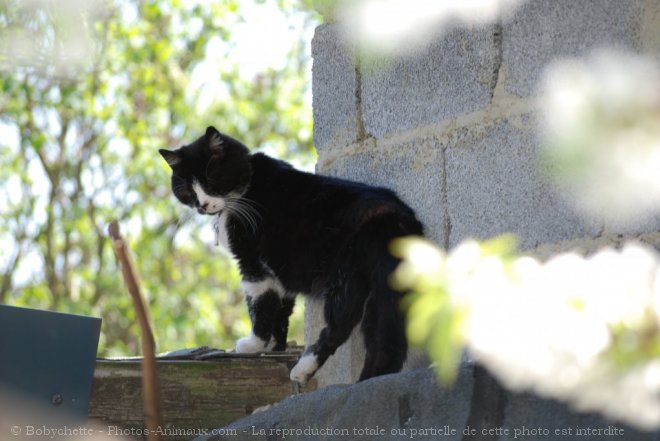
point(317, 235)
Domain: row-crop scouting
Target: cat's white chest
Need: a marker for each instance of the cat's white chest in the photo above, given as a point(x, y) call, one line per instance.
point(220, 228)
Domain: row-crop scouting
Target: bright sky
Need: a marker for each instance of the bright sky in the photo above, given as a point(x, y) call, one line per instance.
point(262, 41)
point(265, 37)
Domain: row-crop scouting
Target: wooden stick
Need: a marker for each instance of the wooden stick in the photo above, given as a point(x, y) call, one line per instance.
point(152, 414)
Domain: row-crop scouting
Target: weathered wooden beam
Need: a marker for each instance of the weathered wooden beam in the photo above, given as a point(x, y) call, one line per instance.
point(196, 396)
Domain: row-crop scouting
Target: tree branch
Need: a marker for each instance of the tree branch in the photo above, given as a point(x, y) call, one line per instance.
point(153, 418)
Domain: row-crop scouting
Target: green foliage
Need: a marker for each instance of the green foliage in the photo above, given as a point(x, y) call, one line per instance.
point(433, 320)
point(634, 346)
point(85, 152)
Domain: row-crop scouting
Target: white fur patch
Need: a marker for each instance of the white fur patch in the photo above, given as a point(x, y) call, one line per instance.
point(212, 204)
point(216, 141)
point(255, 289)
point(252, 344)
point(304, 369)
point(220, 228)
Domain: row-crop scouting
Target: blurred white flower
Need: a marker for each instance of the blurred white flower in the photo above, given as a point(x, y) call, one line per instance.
point(395, 26)
point(552, 328)
point(601, 121)
point(51, 37)
point(581, 329)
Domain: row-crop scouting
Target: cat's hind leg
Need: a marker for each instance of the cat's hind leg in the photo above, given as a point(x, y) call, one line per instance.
point(383, 329)
point(343, 309)
point(383, 324)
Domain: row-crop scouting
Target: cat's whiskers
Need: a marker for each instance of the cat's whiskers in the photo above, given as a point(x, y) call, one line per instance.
point(184, 217)
point(244, 215)
point(177, 221)
point(245, 211)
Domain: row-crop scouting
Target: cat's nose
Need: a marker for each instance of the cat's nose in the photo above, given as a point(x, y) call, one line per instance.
point(205, 205)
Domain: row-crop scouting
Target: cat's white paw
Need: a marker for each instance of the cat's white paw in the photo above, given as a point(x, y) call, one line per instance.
point(252, 344)
point(304, 369)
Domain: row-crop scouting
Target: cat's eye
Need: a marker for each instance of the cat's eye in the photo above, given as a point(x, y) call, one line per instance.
point(182, 190)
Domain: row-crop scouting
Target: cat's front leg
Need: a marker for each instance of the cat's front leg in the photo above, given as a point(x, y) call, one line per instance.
point(264, 302)
point(253, 344)
point(281, 325)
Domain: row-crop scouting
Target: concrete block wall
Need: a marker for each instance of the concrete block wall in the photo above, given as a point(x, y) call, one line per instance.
point(453, 129)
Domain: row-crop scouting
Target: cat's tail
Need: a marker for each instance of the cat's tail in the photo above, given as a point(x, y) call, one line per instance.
point(383, 323)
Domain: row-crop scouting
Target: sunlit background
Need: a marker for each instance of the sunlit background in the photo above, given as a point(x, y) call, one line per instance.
point(90, 91)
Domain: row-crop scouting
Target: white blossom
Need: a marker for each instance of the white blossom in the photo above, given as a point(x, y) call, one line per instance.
point(601, 121)
point(402, 26)
point(555, 327)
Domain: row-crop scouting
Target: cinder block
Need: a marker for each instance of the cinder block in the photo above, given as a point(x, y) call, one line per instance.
point(413, 170)
point(494, 185)
point(454, 75)
point(333, 89)
point(649, 223)
point(541, 31)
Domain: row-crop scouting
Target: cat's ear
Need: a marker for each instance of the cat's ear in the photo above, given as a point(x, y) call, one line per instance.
point(213, 139)
point(171, 157)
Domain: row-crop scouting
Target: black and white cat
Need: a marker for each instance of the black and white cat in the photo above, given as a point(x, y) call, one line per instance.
point(295, 232)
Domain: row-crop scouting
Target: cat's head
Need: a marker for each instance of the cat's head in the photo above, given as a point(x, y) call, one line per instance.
point(209, 170)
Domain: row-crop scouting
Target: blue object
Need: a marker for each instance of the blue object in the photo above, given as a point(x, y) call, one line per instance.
point(49, 358)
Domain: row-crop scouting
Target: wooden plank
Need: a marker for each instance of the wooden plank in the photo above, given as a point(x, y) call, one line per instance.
point(196, 395)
